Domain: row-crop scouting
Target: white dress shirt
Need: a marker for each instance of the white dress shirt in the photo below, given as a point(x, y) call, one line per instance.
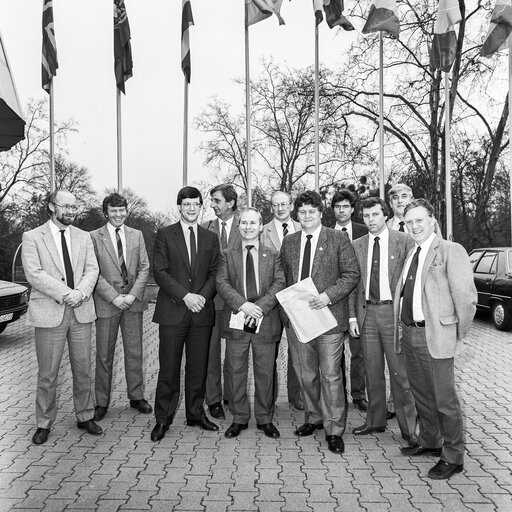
point(229, 225)
point(122, 235)
point(384, 289)
point(395, 224)
point(348, 229)
point(314, 242)
point(58, 242)
point(186, 234)
point(279, 228)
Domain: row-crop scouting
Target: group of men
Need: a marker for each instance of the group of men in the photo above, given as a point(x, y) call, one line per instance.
point(399, 293)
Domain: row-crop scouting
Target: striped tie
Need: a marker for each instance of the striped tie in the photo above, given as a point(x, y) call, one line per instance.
point(120, 257)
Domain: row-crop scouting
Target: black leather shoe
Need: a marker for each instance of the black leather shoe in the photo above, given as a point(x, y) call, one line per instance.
point(217, 411)
point(364, 430)
point(40, 436)
point(443, 470)
point(204, 423)
point(390, 415)
point(99, 412)
point(234, 429)
point(308, 429)
point(142, 406)
point(158, 432)
point(417, 449)
point(335, 443)
point(269, 430)
point(90, 426)
point(361, 404)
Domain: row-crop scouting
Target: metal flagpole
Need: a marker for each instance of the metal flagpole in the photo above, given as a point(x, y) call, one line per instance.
point(447, 159)
point(382, 177)
point(510, 126)
point(248, 113)
point(317, 112)
point(185, 132)
point(52, 140)
point(119, 145)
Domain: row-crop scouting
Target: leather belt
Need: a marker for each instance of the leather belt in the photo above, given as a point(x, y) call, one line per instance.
point(416, 324)
point(379, 302)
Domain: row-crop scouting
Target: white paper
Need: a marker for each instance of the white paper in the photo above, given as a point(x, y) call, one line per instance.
point(307, 323)
point(237, 321)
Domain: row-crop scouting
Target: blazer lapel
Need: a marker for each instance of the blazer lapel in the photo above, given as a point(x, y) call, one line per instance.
point(320, 250)
point(200, 249)
point(429, 260)
point(75, 247)
point(272, 234)
point(130, 244)
point(363, 251)
point(179, 240)
point(295, 250)
point(393, 249)
point(52, 247)
point(262, 270)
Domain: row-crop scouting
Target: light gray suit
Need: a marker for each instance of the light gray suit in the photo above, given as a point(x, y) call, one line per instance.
point(55, 322)
point(110, 285)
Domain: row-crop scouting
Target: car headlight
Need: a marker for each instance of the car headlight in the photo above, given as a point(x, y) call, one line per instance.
point(24, 298)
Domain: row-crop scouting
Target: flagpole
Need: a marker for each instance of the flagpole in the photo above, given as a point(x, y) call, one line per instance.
point(185, 132)
point(447, 159)
point(317, 112)
point(248, 112)
point(510, 125)
point(119, 144)
point(382, 177)
point(52, 139)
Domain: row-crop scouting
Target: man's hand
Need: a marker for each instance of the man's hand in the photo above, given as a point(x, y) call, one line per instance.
point(129, 299)
point(194, 302)
point(320, 301)
point(74, 298)
point(353, 329)
point(120, 303)
point(250, 309)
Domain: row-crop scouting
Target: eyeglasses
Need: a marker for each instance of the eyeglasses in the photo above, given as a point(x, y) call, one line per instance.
point(280, 205)
point(191, 205)
point(70, 207)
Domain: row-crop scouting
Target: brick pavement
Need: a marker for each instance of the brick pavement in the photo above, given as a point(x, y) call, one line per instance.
point(192, 470)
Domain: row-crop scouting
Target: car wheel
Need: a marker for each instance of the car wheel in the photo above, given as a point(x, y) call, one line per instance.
point(501, 317)
point(2, 328)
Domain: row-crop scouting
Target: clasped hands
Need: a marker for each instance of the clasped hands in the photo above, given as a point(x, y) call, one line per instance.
point(123, 301)
point(74, 298)
point(253, 313)
point(194, 302)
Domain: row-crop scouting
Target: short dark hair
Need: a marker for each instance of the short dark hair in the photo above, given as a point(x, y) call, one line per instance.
point(189, 193)
point(114, 200)
point(370, 202)
point(344, 195)
point(421, 202)
point(228, 192)
point(310, 198)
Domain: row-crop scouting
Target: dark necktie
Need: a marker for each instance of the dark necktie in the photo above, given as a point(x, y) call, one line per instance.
point(401, 224)
point(223, 237)
point(120, 257)
point(343, 229)
point(193, 250)
point(306, 260)
point(285, 229)
point(408, 290)
point(250, 277)
point(67, 261)
point(375, 272)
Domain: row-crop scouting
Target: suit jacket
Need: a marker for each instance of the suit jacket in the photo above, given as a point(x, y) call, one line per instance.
point(46, 275)
point(399, 246)
point(269, 236)
point(448, 298)
point(110, 281)
point(335, 270)
point(230, 286)
point(358, 230)
point(172, 273)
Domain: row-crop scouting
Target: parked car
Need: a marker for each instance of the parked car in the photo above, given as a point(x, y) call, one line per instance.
point(492, 271)
point(13, 302)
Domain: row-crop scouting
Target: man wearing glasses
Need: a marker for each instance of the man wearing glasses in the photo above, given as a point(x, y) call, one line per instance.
point(61, 267)
point(184, 267)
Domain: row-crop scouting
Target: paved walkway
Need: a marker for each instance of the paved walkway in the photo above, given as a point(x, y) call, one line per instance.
point(192, 470)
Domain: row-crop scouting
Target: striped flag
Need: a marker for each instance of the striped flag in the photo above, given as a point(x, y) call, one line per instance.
point(334, 15)
point(444, 43)
point(499, 29)
point(49, 64)
point(186, 22)
point(383, 17)
point(123, 64)
point(259, 10)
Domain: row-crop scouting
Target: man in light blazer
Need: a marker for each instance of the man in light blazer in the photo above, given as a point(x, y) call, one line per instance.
point(224, 203)
point(272, 236)
point(61, 267)
point(120, 302)
point(327, 256)
point(435, 302)
point(381, 255)
point(248, 277)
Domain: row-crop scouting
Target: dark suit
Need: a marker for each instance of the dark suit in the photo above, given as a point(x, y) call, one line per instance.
point(334, 271)
point(230, 286)
point(376, 324)
point(178, 325)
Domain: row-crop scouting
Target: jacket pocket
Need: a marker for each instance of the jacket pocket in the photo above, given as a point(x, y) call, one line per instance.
point(449, 319)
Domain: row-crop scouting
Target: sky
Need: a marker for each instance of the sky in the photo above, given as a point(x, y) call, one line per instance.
point(152, 110)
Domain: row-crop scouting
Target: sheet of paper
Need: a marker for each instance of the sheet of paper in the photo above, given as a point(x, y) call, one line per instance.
point(237, 321)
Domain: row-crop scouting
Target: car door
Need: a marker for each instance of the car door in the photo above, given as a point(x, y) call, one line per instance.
point(484, 274)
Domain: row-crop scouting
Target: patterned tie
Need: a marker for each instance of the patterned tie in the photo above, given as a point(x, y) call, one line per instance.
point(223, 237)
point(401, 224)
point(120, 257)
point(250, 276)
point(375, 272)
point(193, 250)
point(67, 261)
point(408, 290)
point(285, 229)
point(306, 260)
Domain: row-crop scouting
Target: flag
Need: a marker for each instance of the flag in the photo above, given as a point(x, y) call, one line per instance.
point(499, 29)
point(444, 43)
point(259, 10)
point(49, 64)
point(383, 17)
point(123, 64)
point(334, 15)
point(317, 7)
point(186, 22)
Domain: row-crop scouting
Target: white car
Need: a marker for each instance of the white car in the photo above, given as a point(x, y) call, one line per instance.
point(13, 302)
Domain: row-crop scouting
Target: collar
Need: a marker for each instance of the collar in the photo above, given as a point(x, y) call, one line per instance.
point(255, 243)
point(55, 230)
point(185, 226)
point(384, 236)
point(112, 229)
point(425, 245)
point(315, 233)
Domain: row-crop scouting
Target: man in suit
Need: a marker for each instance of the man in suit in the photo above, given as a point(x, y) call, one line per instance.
point(343, 204)
point(60, 265)
point(184, 267)
point(225, 226)
point(437, 296)
point(248, 277)
point(381, 255)
point(327, 256)
point(272, 236)
point(119, 300)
